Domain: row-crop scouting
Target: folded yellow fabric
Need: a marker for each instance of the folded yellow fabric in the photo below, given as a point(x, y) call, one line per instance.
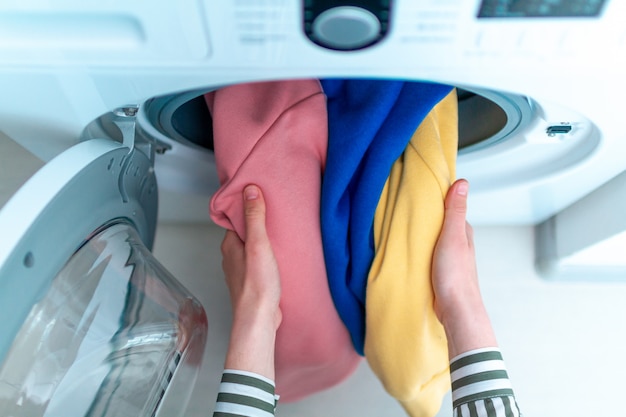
point(405, 344)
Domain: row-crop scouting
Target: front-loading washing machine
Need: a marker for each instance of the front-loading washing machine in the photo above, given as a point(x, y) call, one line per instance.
point(109, 96)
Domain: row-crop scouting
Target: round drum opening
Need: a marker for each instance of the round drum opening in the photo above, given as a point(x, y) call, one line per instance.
point(485, 118)
point(488, 117)
point(192, 121)
point(479, 118)
point(183, 118)
point(181, 127)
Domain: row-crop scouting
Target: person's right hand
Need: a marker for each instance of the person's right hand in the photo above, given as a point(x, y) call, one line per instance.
point(458, 302)
point(454, 264)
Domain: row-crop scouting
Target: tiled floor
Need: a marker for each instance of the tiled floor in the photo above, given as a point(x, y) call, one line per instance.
point(562, 341)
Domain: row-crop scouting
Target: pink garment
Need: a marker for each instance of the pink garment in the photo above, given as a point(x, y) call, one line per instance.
point(275, 135)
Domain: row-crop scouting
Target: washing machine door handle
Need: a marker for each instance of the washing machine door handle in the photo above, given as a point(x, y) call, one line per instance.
point(125, 119)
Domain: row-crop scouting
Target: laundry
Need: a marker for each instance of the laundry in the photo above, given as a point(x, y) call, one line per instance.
point(370, 123)
point(405, 345)
point(274, 134)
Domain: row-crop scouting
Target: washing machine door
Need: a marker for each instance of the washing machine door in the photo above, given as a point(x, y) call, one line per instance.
point(92, 324)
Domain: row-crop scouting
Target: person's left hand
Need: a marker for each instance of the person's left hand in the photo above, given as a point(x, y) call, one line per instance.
point(250, 267)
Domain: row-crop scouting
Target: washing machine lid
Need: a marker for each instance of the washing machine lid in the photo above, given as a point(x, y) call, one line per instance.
point(56, 211)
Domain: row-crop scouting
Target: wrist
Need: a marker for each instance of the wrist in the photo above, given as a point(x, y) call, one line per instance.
point(468, 329)
point(252, 340)
point(461, 310)
point(455, 303)
point(257, 314)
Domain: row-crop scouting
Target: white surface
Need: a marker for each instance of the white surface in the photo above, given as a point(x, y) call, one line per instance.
point(587, 238)
point(53, 86)
point(606, 252)
point(560, 340)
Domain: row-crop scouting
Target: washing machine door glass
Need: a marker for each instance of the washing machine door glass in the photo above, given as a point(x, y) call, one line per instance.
point(107, 338)
point(92, 324)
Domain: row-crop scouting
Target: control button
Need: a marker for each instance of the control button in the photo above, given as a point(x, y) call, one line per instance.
point(346, 27)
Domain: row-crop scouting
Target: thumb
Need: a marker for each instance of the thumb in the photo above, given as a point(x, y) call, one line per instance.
point(254, 212)
point(456, 207)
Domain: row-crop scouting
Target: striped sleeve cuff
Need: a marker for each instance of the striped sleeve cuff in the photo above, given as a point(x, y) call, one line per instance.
point(479, 380)
point(245, 393)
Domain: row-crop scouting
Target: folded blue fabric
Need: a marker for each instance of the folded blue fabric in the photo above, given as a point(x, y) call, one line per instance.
point(370, 123)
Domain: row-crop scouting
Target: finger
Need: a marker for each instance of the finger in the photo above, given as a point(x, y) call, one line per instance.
point(456, 207)
point(231, 241)
point(232, 249)
point(254, 211)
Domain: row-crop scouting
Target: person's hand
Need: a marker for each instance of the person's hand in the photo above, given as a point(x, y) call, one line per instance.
point(454, 264)
point(458, 302)
point(250, 268)
point(254, 284)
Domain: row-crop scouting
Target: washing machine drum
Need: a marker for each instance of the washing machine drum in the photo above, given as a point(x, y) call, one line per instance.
point(92, 324)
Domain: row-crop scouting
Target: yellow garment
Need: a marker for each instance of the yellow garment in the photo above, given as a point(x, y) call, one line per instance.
point(405, 344)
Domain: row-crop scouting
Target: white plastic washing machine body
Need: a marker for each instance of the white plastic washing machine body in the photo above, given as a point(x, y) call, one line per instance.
point(64, 65)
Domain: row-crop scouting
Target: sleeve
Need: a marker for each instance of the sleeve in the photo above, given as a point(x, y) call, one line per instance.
point(481, 386)
point(244, 394)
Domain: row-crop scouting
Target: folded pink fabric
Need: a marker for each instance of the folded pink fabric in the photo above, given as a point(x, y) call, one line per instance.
point(275, 135)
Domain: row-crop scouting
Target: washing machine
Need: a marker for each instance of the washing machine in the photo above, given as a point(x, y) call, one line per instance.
point(108, 97)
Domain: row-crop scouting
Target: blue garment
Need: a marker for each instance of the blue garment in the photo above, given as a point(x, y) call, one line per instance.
point(370, 122)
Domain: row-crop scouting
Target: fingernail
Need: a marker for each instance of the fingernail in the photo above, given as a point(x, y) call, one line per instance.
point(251, 192)
point(462, 188)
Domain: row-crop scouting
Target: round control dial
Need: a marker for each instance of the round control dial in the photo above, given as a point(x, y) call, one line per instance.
point(346, 28)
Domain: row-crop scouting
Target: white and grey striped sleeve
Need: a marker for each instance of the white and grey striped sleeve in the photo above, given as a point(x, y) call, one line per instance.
point(245, 394)
point(481, 386)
